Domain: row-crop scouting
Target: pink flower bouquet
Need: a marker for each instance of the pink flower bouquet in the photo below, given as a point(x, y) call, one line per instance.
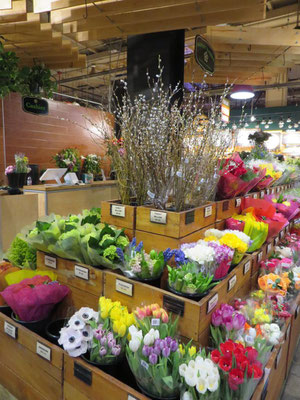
point(33, 299)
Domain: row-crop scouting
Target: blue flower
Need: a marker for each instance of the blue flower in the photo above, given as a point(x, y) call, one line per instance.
point(168, 254)
point(133, 243)
point(180, 257)
point(139, 247)
point(120, 253)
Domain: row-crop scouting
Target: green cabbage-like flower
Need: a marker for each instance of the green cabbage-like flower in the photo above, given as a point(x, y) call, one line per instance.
point(106, 237)
point(110, 252)
point(122, 242)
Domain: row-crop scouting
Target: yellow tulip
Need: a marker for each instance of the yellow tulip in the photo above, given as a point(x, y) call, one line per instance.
point(181, 350)
point(122, 330)
point(192, 351)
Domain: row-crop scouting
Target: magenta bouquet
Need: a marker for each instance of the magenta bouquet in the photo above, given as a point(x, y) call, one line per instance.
point(226, 323)
point(223, 256)
point(33, 299)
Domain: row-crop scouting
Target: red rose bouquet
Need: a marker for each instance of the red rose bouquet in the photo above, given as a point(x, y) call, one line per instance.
point(240, 370)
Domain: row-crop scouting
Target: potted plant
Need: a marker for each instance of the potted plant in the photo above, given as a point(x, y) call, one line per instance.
point(9, 72)
point(16, 174)
point(37, 79)
point(91, 167)
point(68, 158)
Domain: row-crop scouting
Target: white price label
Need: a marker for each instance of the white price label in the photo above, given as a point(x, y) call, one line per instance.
point(231, 283)
point(117, 211)
point(276, 241)
point(43, 351)
point(247, 267)
point(211, 304)
point(262, 195)
point(124, 287)
point(158, 217)
point(50, 262)
point(287, 333)
point(269, 248)
point(281, 234)
point(278, 189)
point(268, 191)
point(10, 330)
point(247, 197)
point(278, 357)
point(238, 202)
point(255, 195)
point(273, 191)
point(207, 211)
point(155, 322)
point(144, 364)
point(81, 272)
point(129, 397)
point(267, 373)
point(259, 257)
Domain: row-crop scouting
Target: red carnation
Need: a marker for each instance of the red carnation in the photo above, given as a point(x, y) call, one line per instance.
point(225, 364)
point(215, 356)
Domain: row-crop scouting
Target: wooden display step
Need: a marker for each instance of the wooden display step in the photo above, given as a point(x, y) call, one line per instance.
point(115, 213)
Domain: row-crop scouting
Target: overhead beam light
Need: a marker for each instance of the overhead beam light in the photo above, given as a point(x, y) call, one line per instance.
point(242, 92)
point(5, 4)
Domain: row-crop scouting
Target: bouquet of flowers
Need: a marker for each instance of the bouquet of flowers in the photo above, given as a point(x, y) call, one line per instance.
point(288, 208)
point(274, 284)
point(226, 323)
point(68, 158)
point(240, 369)
point(136, 263)
point(235, 178)
point(34, 298)
point(91, 164)
point(153, 354)
point(187, 279)
point(200, 378)
point(236, 240)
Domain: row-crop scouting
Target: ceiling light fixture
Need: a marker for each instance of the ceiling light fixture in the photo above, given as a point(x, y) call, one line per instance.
point(263, 122)
point(266, 126)
point(242, 92)
point(252, 118)
point(270, 121)
point(234, 126)
point(289, 120)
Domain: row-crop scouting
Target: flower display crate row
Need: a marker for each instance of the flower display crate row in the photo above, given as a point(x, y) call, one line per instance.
point(40, 370)
point(88, 283)
point(162, 229)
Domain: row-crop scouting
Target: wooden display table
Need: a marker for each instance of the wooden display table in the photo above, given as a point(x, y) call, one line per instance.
point(72, 199)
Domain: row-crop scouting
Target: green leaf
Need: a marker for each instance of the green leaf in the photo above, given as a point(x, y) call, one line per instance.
point(42, 226)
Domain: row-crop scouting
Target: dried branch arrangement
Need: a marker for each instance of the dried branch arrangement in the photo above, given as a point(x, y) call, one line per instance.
point(164, 157)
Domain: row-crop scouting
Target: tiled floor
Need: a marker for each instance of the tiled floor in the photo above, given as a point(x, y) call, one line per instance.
point(292, 387)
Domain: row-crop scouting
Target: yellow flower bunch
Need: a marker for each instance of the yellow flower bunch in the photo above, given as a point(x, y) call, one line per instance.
point(271, 171)
point(120, 318)
point(234, 242)
point(192, 350)
point(261, 316)
point(211, 239)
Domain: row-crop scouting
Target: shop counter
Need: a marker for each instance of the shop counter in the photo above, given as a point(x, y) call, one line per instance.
point(66, 199)
point(16, 211)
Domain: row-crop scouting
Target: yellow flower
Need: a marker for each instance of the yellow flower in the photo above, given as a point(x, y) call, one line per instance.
point(181, 350)
point(211, 239)
point(192, 351)
point(104, 312)
point(286, 203)
point(274, 200)
point(122, 329)
point(116, 326)
point(234, 242)
point(115, 313)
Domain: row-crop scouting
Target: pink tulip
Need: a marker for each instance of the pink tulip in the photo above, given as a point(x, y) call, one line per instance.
point(164, 317)
point(157, 313)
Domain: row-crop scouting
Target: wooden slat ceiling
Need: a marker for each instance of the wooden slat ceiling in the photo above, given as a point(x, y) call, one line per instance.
point(84, 42)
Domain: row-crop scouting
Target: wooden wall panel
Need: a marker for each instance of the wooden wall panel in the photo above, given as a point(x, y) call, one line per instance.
point(42, 136)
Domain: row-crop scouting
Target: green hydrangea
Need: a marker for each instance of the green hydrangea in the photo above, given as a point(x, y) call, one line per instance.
point(122, 242)
point(110, 252)
point(106, 237)
point(21, 254)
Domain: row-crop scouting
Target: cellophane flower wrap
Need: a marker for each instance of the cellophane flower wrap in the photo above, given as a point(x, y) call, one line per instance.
point(235, 178)
point(200, 378)
point(269, 177)
point(153, 352)
point(136, 263)
point(288, 208)
point(226, 323)
point(240, 370)
point(34, 298)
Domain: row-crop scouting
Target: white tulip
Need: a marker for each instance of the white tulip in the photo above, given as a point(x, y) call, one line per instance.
point(192, 364)
point(182, 369)
point(187, 396)
point(213, 383)
point(134, 344)
point(190, 377)
point(201, 386)
point(252, 332)
point(150, 337)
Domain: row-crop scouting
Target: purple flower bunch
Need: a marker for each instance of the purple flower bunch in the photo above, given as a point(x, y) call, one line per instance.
point(160, 348)
point(180, 257)
point(226, 317)
point(107, 344)
point(168, 254)
point(222, 253)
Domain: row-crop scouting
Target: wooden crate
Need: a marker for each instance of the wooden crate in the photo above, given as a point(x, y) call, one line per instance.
point(175, 224)
point(269, 248)
point(153, 241)
point(80, 276)
point(82, 381)
point(294, 331)
point(194, 317)
point(226, 208)
point(257, 257)
point(115, 213)
point(31, 367)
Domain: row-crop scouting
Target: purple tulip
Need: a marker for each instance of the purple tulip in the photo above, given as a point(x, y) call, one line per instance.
point(216, 318)
point(116, 350)
point(103, 341)
point(156, 350)
point(168, 340)
point(162, 344)
point(174, 345)
point(111, 343)
point(153, 358)
point(166, 351)
point(110, 336)
point(228, 322)
point(157, 342)
point(102, 351)
point(146, 351)
point(226, 310)
point(238, 321)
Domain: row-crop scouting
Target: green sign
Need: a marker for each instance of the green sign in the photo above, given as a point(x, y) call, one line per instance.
point(204, 55)
point(35, 105)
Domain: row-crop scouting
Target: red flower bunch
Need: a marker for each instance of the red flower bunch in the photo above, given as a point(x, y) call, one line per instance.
point(238, 363)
